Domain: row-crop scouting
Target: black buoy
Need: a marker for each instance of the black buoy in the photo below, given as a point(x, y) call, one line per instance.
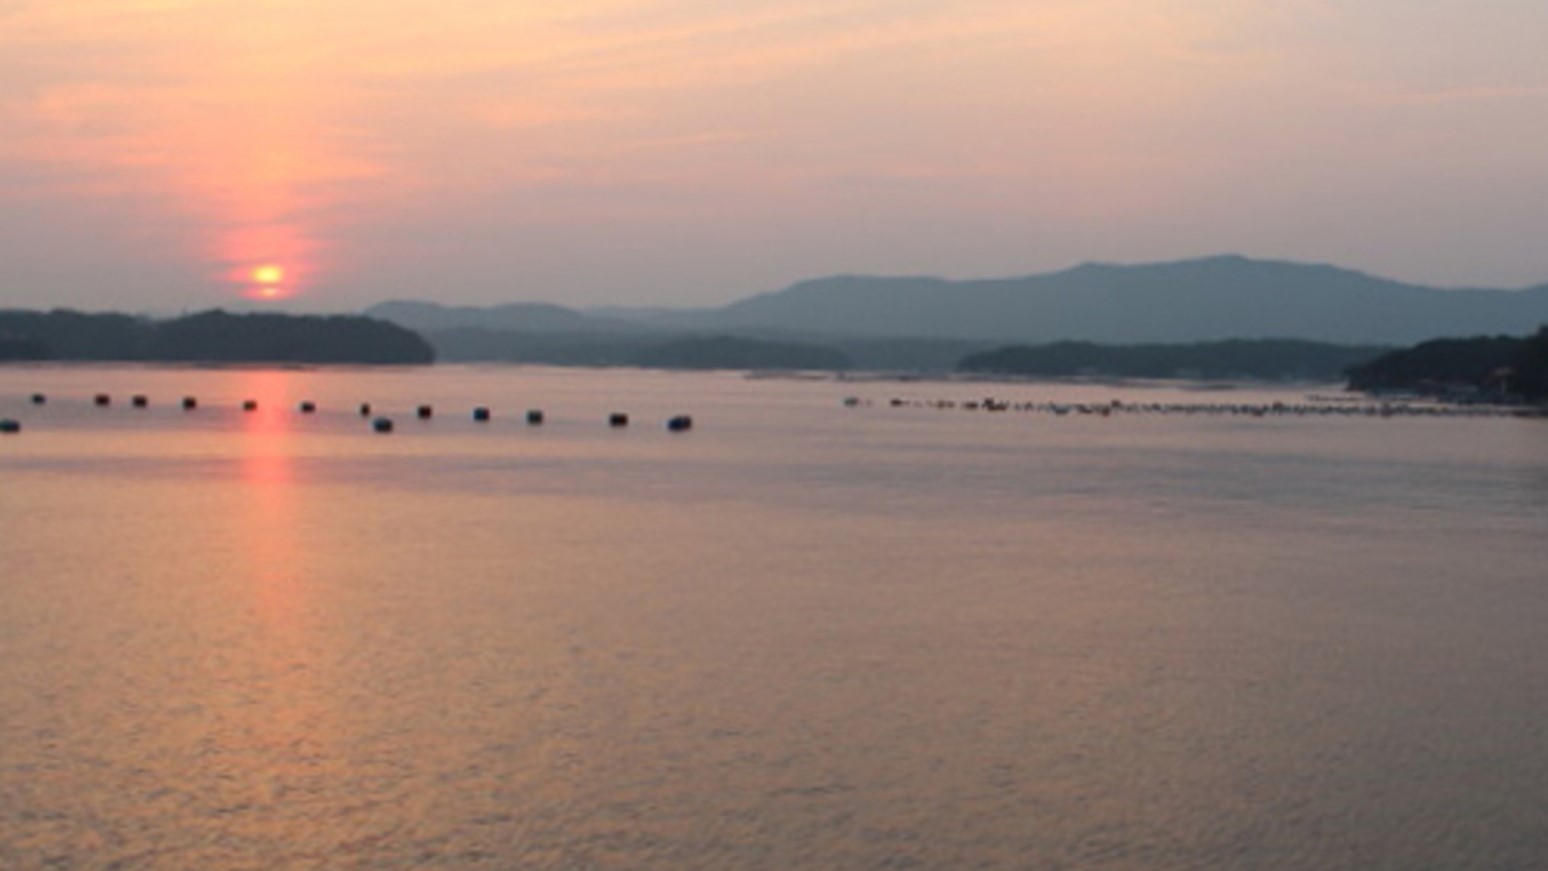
point(9, 426)
point(382, 424)
point(190, 403)
point(617, 419)
point(250, 405)
point(139, 401)
point(534, 416)
point(481, 414)
point(39, 399)
point(365, 409)
point(680, 423)
point(308, 407)
point(426, 412)
point(102, 399)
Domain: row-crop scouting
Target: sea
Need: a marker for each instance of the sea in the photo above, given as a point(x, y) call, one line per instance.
point(834, 625)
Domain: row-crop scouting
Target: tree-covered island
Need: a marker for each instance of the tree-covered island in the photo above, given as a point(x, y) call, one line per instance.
point(1498, 368)
point(208, 337)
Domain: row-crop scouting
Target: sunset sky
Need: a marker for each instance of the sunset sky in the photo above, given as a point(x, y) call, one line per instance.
point(160, 155)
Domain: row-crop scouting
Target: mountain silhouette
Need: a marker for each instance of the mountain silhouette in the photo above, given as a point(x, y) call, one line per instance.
point(1186, 301)
point(1206, 299)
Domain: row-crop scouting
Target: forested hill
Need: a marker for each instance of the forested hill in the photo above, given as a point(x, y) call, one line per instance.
point(214, 337)
point(1502, 367)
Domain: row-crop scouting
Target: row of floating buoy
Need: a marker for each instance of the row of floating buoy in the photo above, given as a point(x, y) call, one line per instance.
point(481, 414)
point(534, 417)
point(1224, 409)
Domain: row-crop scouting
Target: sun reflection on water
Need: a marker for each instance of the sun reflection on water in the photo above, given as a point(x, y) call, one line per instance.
point(287, 734)
point(269, 477)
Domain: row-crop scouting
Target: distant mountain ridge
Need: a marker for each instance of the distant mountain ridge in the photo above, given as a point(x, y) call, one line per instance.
point(1208, 299)
point(1204, 299)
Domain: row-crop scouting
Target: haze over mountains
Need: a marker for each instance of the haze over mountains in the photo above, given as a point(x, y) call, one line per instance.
point(532, 317)
point(1226, 297)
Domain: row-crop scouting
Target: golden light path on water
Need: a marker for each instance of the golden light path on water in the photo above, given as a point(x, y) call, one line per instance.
point(286, 721)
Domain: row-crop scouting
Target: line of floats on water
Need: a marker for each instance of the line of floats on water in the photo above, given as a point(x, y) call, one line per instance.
point(379, 423)
point(682, 422)
point(1340, 408)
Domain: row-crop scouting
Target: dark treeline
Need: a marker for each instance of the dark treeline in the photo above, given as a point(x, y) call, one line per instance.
point(1256, 359)
point(72, 335)
point(1495, 367)
point(22, 348)
point(215, 336)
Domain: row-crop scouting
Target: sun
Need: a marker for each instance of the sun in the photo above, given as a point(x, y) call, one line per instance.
point(269, 273)
point(265, 279)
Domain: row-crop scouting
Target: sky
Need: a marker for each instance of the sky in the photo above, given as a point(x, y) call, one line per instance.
point(322, 155)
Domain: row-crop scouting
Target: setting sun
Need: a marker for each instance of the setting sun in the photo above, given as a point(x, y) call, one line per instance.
point(269, 274)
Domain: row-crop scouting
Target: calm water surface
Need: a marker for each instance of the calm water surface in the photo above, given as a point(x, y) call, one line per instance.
point(800, 636)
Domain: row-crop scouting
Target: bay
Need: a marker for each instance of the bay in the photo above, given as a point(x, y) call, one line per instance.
point(801, 635)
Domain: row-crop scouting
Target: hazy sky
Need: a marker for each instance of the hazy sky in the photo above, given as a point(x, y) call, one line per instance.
point(155, 153)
